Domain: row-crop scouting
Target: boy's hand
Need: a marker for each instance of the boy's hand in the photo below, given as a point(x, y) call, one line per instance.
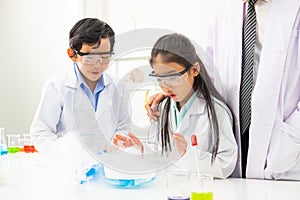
point(128, 141)
point(151, 105)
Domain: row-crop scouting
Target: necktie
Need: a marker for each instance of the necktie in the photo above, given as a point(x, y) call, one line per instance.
point(247, 66)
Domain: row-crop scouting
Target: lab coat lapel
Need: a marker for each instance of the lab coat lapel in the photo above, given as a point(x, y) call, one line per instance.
point(105, 97)
point(104, 102)
point(196, 109)
point(81, 102)
point(71, 80)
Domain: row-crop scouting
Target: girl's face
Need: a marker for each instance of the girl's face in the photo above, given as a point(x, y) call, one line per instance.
point(179, 82)
point(93, 65)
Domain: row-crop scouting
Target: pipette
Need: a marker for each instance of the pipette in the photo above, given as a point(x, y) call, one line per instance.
point(194, 145)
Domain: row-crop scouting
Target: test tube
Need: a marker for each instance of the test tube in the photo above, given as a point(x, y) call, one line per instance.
point(3, 144)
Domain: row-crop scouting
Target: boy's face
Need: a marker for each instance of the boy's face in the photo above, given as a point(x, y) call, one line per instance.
point(92, 66)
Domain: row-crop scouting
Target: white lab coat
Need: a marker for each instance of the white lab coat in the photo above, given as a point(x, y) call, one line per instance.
point(274, 138)
point(196, 122)
point(64, 108)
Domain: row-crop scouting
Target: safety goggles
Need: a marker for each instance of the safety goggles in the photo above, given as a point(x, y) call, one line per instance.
point(170, 79)
point(93, 58)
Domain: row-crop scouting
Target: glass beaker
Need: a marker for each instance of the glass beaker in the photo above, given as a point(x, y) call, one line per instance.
point(13, 143)
point(178, 184)
point(201, 186)
point(3, 144)
point(28, 144)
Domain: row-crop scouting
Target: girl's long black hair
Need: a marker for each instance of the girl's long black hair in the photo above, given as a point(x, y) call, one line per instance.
point(179, 49)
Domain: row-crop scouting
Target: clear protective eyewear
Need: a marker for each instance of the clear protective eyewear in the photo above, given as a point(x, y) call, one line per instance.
point(170, 79)
point(93, 58)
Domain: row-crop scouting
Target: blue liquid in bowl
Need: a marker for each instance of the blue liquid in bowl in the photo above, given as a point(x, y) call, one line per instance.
point(129, 183)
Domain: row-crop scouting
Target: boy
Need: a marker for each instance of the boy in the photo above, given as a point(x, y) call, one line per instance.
point(85, 100)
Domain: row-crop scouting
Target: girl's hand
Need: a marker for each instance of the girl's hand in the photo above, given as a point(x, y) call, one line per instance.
point(180, 143)
point(151, 105)
point(128, 141)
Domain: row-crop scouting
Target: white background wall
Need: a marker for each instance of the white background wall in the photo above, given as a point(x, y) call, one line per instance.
point(34, 40)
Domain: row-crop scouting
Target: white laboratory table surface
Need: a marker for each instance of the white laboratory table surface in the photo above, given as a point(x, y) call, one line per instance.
point(28, 179)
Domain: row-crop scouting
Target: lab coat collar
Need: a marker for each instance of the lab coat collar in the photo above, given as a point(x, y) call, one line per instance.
point(106, 99)
point(197, 108)
point(178, 115)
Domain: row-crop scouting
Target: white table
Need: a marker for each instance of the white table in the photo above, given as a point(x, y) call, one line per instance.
point(31, 180)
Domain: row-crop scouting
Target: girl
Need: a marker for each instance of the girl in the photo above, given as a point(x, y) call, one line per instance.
point(192, 106)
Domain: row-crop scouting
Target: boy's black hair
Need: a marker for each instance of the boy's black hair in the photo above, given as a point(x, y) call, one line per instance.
point(90, 31)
